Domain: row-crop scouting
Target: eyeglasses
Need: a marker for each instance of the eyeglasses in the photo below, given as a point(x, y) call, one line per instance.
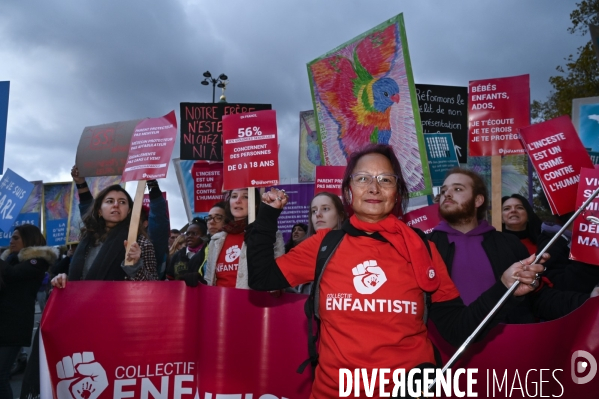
point(386, 181)
point(216, 218)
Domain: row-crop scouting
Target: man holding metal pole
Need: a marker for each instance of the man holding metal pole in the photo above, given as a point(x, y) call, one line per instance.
point(476, 254)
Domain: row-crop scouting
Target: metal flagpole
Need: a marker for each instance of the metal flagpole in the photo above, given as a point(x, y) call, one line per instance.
point(511, 290)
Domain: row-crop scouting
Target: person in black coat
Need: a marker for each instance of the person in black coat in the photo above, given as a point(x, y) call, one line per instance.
point(22, 269)
point(188, 263)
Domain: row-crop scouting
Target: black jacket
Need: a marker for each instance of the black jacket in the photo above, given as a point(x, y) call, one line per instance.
point(503, 250)
point(22, 277)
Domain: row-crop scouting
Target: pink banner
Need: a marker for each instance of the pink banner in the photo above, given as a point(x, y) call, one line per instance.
point(497, 108)
point(329, 179)
point(585, 231)
point(151, 148)
point(557, 154)
point(166, 340)
point(250, 150)
point(425, 218)
point(207, 185)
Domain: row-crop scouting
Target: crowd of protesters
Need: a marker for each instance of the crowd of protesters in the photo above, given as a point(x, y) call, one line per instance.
point(464, 266)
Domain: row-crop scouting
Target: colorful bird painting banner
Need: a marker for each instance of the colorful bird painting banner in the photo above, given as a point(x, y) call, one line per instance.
point(309, 153)
point(57, 201)
point(363, 92)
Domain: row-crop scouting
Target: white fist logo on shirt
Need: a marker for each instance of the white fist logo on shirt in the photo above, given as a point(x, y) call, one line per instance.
point(368, 277)
point(81, 377)
point(232, 253)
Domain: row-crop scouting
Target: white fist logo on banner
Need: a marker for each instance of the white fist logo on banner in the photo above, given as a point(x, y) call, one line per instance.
point(368, 277)
point(232, 253)
point(81, 377)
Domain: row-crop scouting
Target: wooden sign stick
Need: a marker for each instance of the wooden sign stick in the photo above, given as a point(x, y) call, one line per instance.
point(135, 215)
point(496, 191)
point(251, 204)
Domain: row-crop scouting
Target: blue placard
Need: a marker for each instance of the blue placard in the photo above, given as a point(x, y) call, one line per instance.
point(56, 232)
point(23, 218)
point(4, 90)
point(441, 155)
point(14, 192)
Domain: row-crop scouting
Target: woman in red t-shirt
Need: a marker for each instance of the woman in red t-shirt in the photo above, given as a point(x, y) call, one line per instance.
point(227, 262)
point(371, 301)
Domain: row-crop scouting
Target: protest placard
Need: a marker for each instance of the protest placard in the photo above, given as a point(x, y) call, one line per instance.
point(498, 107)
point(151, 148)
point(57, 200)
point(202, 129)
point(585, 118)
point(585, 230)
point(363, 92)
point(557, 155)
point(441, 155)
point(297, 209)
point(250, 150)
point(329, 179)
point(103, 149)
point(4, 91)
point(208, 184)
point(444, 109)
point(309, 147)
point(14, 192)
point(31, 213)
point(425, 218)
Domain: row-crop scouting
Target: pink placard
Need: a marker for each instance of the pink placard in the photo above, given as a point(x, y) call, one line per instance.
point(557, 154)
point(151, 148)
point(497, 108)
point(425, 218)
point(207, 184)
point(585, 231)
point(329, 178)
point(250, 150)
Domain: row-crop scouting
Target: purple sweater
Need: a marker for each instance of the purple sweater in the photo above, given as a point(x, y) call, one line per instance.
point(471, 270)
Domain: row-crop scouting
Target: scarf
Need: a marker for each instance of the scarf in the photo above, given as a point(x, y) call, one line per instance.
point(408, 244)
point(107, 265)
point(236, 226)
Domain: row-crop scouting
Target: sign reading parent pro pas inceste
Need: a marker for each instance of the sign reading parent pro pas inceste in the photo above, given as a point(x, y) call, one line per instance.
point(557, 154)
point(207, 185)
point(250, 150)
point(151, 148)
point(497, 109)
point(585, 232)
point(14, 192)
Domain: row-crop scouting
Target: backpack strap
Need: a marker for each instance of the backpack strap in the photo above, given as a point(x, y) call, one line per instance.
point(328, 245)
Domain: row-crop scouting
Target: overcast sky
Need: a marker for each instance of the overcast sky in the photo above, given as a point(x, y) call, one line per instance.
point(74, 63)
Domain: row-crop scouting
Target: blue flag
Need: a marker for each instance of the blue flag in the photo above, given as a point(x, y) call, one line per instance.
point(14, 192)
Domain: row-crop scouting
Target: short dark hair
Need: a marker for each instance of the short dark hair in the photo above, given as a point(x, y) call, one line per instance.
point(386, 151)
point(31, 235)
point(175, 231)
point(478, 188)
point(201, 223)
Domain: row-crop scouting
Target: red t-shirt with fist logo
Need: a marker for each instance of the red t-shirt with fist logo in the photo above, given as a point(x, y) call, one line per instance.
point(370, 306)
point(228, 261)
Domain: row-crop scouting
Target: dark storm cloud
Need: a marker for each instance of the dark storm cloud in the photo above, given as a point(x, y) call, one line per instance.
point(73, 64)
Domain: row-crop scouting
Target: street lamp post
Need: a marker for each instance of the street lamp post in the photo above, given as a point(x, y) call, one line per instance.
point(218, 82)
